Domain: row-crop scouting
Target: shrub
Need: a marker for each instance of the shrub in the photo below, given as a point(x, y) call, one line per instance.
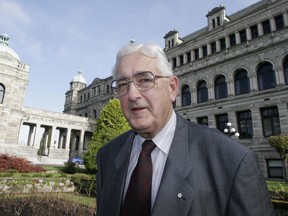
point(13, 164)
point(84, 183)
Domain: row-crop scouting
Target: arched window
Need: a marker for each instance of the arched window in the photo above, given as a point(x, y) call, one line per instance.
point(202, 92)
point(220, 87)
point(241, 80)
point(285, 70)
point(2, 93)
point(266, 76)
point(95, 114)
point(186, 96)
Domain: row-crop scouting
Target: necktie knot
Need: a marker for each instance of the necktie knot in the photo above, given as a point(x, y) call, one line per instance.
point(148, 146)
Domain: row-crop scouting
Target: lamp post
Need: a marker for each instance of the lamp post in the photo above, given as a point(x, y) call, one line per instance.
point(230, 131)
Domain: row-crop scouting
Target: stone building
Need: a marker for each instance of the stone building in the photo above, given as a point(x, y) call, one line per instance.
point(236, 69)
point(40, 136)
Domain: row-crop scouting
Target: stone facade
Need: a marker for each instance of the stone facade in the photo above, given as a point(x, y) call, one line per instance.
point(236, 70)
point(40, 136)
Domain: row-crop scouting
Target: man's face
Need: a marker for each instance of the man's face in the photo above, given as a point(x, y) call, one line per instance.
point(147, 111)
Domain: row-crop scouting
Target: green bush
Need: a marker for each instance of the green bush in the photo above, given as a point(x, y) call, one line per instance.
point(84, 183)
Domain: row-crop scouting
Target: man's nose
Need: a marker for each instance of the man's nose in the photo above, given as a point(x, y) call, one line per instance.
point(133, 92)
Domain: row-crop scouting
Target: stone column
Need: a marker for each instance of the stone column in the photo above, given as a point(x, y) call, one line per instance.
point(81, 141)
point(257, 125)
point(227, 41)
point(218, 48)
point(209, 49)
point(272, 24)
point(30, 133)
point(36, 132)
point(67, 141)
point(237, 36)
point(260, 29)
point(285, 19)
point(52, 137)
point(283, 116)
point(248, 34)
point(279, 75)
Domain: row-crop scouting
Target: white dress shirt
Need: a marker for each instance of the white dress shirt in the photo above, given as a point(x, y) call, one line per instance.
point(163, 141)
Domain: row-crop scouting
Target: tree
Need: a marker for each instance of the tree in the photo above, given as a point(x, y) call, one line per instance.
point(110, 123)
point(280, 143)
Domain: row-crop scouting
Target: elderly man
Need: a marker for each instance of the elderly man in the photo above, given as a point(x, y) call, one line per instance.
point(167, 165)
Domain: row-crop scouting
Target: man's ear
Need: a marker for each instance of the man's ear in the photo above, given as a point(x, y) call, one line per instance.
point(174, 84)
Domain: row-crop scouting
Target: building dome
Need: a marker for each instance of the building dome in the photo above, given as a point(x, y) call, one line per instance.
point(4, 48)
point(79, 78)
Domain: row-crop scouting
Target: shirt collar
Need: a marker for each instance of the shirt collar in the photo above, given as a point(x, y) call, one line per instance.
point(163, 139)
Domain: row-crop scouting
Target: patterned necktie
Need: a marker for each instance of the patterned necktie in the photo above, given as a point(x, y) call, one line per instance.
point(138, 197)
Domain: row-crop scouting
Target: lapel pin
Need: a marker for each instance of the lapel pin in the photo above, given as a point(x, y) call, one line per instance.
point(179, 195)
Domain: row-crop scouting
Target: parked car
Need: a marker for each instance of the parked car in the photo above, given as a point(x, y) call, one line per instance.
point(76, 160)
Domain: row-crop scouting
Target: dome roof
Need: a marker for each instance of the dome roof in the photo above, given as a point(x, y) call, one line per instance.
point(4, 48)
point(79, 78)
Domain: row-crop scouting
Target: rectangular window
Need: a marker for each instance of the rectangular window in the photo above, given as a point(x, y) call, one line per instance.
point(279, 22)
point(174, 63)
point(270, 121)
point(245, 127)
point(275, 168)
point(222, 44)
point(213, 47)
point(203, 120)
point(196, 53)
point(188, 54)
point(181, 59)
point(204, 48)
point(266, 27)
point(232, 40)
point(221, 121)
point(254, 31)
point(218, 21)
point(243, 36)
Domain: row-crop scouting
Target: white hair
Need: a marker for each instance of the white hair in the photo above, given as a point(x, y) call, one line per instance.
point(150, 50)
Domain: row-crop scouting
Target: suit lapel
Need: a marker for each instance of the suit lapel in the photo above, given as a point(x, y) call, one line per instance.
point(117, 180)
point(175, 194)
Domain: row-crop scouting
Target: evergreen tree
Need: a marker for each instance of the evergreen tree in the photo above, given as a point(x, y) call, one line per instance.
point(110, 123)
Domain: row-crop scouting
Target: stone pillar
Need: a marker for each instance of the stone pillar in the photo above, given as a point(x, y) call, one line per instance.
point(36, 132)
point(192, 56)
point(177, 61)
point(30, 133)
point(279, 75)
point(193, 96)
point(209, 49)
point(253, 83)
point(231, 89)
point(283, 116)
point(248, 34)
point(211, 95)
point(67, 141)
point(260, 29)
point(257, 125)
point(237, 36)
point(218, 48)
point(272, 24)
point(285, 19)
point(185, 59)
point(52, 137)
point(227, 41)
point(200, 52)
point(81, 141)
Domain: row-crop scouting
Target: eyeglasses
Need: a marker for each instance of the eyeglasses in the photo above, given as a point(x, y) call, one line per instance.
point(143, 81)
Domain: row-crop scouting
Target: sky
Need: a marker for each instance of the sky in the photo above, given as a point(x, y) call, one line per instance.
point(58, 38)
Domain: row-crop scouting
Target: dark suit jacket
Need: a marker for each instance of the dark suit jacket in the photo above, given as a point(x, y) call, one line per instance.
point(206, 173)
